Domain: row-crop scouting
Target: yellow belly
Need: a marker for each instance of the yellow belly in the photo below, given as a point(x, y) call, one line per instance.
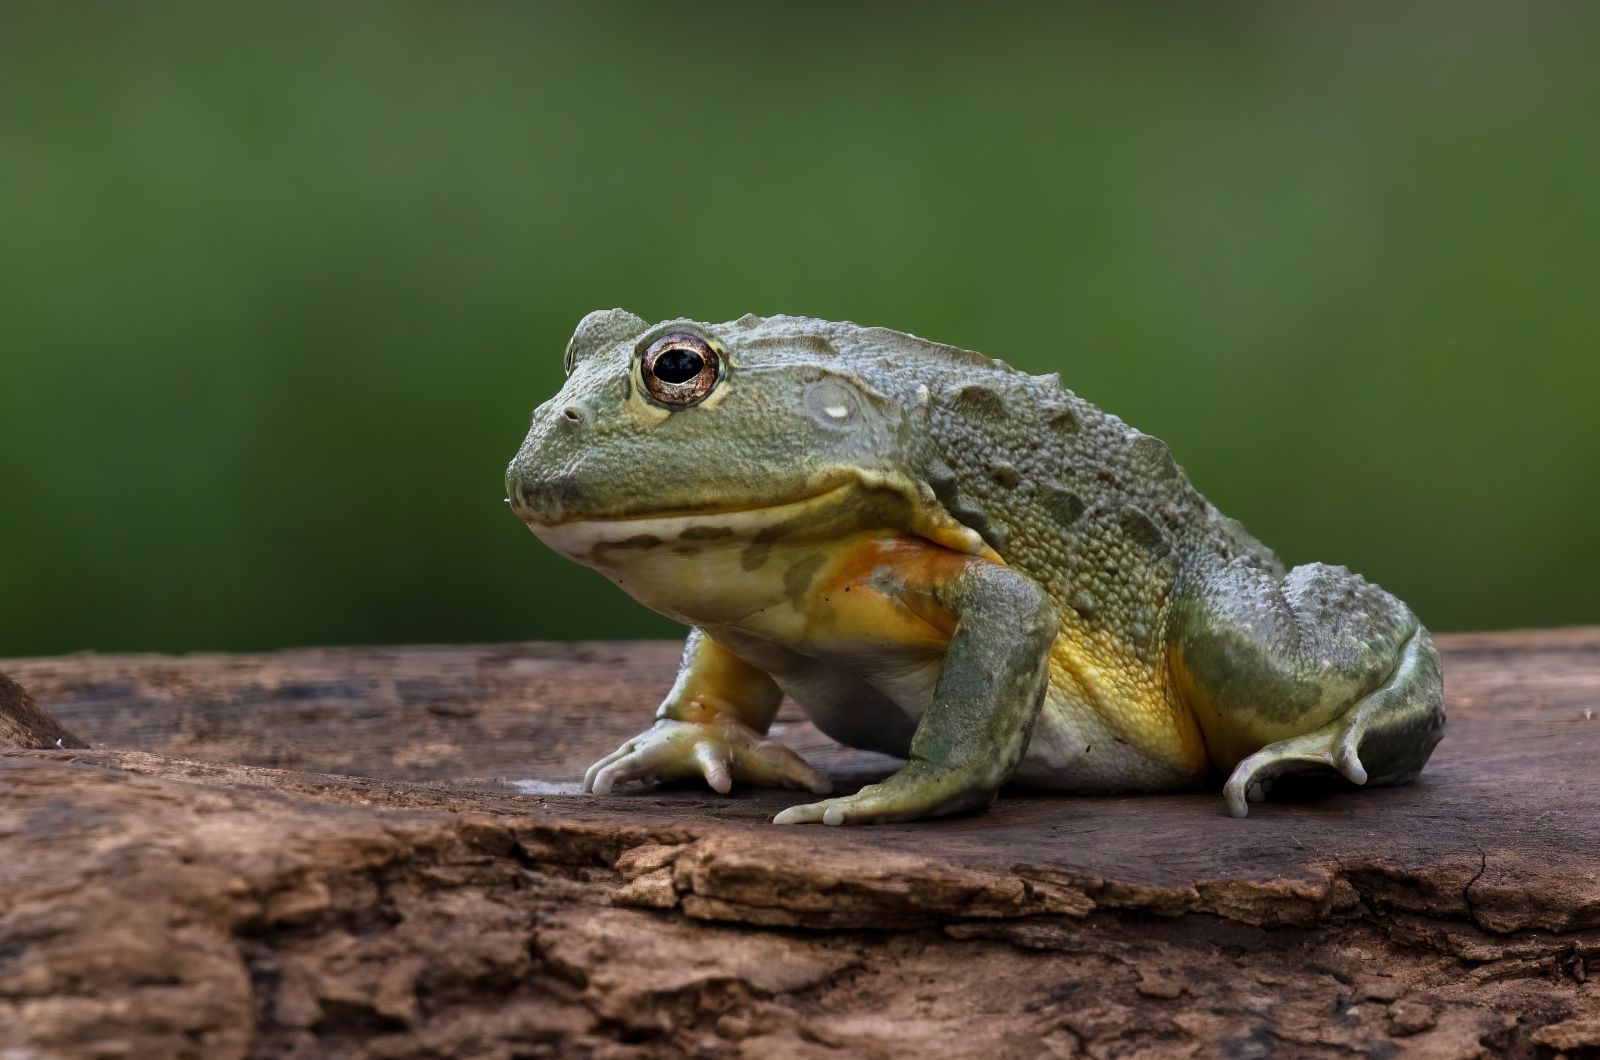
point(1110, 722)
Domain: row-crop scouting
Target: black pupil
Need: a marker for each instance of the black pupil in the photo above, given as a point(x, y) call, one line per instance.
point(678, 365)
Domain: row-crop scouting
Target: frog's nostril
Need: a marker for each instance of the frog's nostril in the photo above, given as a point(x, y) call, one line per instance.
point(573, 413)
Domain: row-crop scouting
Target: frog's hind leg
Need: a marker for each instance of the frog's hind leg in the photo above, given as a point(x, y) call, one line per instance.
point(1385, 738)
point(1318, 670)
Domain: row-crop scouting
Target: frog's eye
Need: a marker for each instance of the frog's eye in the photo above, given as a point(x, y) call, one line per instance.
point(678, 370)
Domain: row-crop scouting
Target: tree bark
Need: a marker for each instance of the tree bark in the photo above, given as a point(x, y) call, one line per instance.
point(383, 853)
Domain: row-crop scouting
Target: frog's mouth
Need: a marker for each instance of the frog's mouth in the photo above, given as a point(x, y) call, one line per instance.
point(854, 505)
point(604, 541)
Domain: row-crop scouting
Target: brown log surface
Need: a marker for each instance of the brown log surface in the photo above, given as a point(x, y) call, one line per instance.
point(383, 852)
point(24, 724)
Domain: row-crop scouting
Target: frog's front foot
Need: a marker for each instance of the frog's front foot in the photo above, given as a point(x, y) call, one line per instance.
point(909, 795)
point(721, 751)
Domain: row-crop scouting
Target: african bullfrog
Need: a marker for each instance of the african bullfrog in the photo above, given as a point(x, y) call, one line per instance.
point(945, 559)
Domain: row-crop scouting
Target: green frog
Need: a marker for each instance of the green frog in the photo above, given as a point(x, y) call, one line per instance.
point(945, 559)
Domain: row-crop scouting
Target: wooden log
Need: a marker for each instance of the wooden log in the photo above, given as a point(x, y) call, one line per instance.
point(23, 724)
point(382, 852)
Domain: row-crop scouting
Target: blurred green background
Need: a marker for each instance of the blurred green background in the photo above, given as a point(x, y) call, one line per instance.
point(279, 284)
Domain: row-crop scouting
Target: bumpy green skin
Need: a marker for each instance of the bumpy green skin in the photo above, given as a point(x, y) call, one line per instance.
point(1093, 510)
point(1104, 542)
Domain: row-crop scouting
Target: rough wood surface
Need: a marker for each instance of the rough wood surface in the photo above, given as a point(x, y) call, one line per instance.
point(383, 853)
point(24, 724)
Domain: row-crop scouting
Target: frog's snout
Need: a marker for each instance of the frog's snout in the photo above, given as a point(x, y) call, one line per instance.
point(541, 483)
point(542, 499)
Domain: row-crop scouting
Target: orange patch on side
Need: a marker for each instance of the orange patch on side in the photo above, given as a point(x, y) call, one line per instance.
point(884, 588)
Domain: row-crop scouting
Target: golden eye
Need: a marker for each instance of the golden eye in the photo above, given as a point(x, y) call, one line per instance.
point(679, 370)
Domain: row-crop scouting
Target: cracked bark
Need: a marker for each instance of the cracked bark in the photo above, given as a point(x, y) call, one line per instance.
point(381, 853)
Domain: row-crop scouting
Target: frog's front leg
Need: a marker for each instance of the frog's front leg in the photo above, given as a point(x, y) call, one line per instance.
point(988, 694)
point(712, 724)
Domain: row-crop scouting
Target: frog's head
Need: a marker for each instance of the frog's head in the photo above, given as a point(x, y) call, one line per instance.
point(669, 437)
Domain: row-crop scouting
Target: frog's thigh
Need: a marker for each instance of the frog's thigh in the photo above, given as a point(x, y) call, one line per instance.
point(1317, 670)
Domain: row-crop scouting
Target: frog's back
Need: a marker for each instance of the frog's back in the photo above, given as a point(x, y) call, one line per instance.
point(1095, 511)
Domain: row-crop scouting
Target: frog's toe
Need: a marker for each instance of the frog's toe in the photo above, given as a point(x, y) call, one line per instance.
point(1323, 749)
point(906, 796)
point(635, 766)
point(1345, 758)
point(652, 757)
point(1243, 789)
point(844, 810)
point(592, 776)
point(715, 765)
point(809, 813)
point(769, 764)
